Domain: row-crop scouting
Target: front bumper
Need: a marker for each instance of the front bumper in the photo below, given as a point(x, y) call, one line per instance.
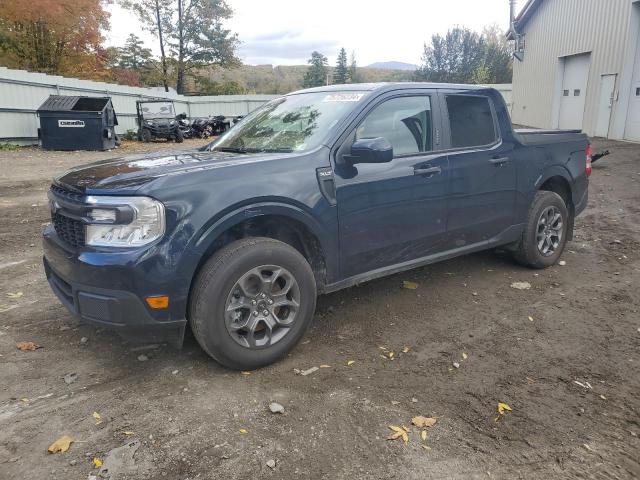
point(108, 290)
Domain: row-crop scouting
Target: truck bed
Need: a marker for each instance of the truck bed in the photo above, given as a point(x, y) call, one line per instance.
point(531, 136)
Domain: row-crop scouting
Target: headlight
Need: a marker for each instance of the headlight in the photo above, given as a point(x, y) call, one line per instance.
point(124, 221)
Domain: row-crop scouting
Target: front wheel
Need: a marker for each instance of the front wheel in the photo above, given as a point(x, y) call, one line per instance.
point(545, 234)
point(252, 302)
point(178, 137)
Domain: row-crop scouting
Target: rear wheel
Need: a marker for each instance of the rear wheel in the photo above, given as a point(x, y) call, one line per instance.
point(178, 137)
point(545, 234)
point(252, 302)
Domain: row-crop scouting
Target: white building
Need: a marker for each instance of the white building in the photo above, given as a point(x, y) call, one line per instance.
point(578, 66)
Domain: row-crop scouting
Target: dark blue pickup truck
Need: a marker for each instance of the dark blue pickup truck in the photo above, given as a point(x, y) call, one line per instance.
point(312, 192)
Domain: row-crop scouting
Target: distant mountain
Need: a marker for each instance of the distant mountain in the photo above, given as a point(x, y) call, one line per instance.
point(393, 66)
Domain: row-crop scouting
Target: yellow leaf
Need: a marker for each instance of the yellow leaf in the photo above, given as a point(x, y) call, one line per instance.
point(396, 429)
point(502, 407)
point(14, 295)
point(423, 435)
point(426, 447)
point(423, 422)
point(406, 349)
point(128, 433)
point(97, 417)
point(325, 366)
point(390, 354)
point(405, 429)
point(351, 362)
point(405, 437)
point(60, 445)
point(97, 462)
point(27, 346)
point(531, 319)
point(384, 349)
point(395, 435)
point(243, 430)
point(464, 356)
point(25, 400)
point(246, 373)
point(409, 285)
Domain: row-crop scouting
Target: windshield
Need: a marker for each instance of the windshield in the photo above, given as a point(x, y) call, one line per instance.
point(294, 123)
point(157, 110)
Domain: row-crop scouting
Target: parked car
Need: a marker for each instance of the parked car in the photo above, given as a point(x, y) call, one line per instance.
point(157, 119)
point(313, 192)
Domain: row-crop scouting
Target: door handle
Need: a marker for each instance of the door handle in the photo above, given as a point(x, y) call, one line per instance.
point(430, 171)
point(499, 161)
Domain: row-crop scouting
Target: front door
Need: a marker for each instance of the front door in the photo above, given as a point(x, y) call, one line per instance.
point(393, 212)
point(482, 170)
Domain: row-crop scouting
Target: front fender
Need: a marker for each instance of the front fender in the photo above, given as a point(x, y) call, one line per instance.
point(323, 225)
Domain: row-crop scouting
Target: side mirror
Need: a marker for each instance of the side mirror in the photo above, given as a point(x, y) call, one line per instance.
point(370, 150)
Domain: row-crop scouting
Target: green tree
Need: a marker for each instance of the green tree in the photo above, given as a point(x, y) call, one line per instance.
point(316, 74)
point(341, 72)
point(193, 31)
point(464, 56)
point(206, 86)
point(134, 54)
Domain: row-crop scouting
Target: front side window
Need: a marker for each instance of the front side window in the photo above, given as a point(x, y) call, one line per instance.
point(406, 122)
point(471, 121)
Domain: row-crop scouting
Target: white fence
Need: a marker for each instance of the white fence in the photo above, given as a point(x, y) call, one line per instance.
point(21, 93)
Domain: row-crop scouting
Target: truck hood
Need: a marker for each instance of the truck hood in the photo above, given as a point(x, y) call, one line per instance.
point(132, 171)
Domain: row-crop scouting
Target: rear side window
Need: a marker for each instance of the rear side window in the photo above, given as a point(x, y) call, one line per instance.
point(471, 121)
point(406, 122)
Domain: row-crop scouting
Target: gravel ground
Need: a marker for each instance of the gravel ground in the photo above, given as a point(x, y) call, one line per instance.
point(562, 354)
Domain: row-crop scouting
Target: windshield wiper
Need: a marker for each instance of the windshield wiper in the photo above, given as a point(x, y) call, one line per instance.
point(231, 149)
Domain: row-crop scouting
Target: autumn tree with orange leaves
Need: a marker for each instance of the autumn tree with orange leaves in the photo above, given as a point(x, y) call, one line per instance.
point(60, 37)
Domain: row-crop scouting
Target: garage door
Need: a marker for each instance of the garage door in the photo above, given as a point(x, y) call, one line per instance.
point(574, 91)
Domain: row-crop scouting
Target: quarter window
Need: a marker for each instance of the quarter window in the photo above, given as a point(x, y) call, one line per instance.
point(471, 121)
point(406, 122)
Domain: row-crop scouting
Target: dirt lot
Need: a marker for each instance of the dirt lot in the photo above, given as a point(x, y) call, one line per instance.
point(564, 355)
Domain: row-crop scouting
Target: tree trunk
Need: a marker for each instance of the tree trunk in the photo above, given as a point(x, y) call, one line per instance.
point(162, 55)
point(180, 81)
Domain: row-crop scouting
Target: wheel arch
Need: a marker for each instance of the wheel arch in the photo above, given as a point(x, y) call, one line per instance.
point(559, 181)
point(288, 223)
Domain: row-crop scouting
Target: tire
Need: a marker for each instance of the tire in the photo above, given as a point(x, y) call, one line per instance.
point(217, 285)
point(145, 135)
point(178, 137)
point(528, 252)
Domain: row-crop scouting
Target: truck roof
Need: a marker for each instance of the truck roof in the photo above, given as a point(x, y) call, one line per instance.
point(385, 86)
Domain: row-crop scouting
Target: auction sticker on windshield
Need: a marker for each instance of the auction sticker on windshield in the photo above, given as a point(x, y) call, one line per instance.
point(343, 97)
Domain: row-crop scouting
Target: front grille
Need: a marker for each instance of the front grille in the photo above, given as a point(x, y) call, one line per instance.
point(69, 230)
point(66, 194)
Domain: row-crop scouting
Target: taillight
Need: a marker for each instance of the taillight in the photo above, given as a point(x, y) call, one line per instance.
point(588, 152)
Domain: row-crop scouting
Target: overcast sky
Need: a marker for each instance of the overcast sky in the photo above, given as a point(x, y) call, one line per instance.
point(285, 32)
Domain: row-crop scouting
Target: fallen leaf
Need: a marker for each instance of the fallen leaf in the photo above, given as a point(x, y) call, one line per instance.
point(245, 373)
point(521, 285)
point(423, 435)
point(14, 295)
point(409, 285)
point(530, 318)
point(395, 436)
point(97, 462)
point(406, 349)
point(25, 400)
point(396, 429)
point(390, 354)
point(351, 362)
point(60, 445)
point(27, 346)
point(97, 417)
point(426, 447)
point(384, 349)
point(502, 407)
point(243, 430)
point(464, 356)
point(325, 366)
point(128, 433)
point(423, 422)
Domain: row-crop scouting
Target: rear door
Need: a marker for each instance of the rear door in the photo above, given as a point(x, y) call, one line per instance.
point(393, 212)
point(482, 179)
